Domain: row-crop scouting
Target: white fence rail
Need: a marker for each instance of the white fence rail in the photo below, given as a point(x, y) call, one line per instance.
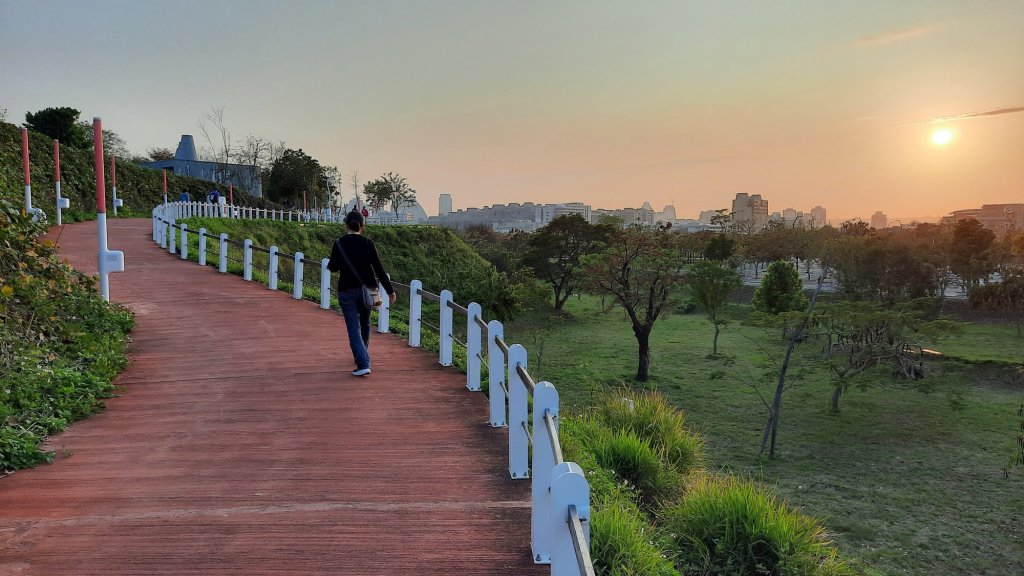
point(560, 500)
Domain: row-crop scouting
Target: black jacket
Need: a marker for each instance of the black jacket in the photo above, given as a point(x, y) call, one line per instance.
point(363, 255)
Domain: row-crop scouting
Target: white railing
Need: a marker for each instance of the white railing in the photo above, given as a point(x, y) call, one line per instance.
point(560, 500)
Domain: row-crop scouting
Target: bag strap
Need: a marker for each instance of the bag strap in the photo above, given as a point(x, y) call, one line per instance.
point(349, 262)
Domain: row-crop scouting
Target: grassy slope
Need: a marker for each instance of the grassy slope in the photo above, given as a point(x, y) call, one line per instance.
point(141, 188)
point(910, 482)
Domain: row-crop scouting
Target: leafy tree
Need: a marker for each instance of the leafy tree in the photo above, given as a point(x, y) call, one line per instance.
point(555, 252)
point(711, 284)
point(59, 124)
point(969, 257)
point(157, 154)
point(377, 193)
point(720, 248)
point(638, 268)
point(854, 228)
point(1007, 296)
point(113, 144)
point(781, 290)
point(400, 193)
point(864, 336)
point(292, 174)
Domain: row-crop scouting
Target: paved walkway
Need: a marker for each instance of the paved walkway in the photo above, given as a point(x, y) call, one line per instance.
point(240, 444)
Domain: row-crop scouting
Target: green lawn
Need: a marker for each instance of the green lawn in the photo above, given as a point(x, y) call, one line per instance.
point(910, 482)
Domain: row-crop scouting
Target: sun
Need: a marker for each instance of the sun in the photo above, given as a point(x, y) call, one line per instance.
point(942, 136)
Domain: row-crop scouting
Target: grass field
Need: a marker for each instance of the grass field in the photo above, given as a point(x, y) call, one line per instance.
point(910, 482)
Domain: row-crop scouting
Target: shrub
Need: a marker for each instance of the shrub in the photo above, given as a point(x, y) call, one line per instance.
point(622, 543)
point(635, 462)
point(727, 526)
point(649, 416)
point(781, 290)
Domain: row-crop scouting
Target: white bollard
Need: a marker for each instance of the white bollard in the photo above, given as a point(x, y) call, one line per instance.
point(223, 264)
point(518, 415)
point(446, 328)
point(297, 286)
point(384, 312)
point(415, 312)
point(496, 373)
point(325, 284)
point(473, 359)
point(272, 269)
point(569, 492)
point(545, 401)
point(184, 241)
point(172, 244)
point(202, 246)
point(247, 260)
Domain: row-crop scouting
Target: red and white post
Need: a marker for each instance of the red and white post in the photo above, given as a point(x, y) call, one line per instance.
point(108, 260)
point(165, 187)
point(34, 212)
point(62, 202)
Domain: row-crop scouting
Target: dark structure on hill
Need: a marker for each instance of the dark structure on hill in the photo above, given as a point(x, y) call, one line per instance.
point(186, 163)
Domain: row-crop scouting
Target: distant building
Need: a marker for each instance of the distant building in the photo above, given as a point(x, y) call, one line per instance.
point(753, 209)
point(444, 202)
point(999, 218)
point(186, 163)
point(668, 214)
point(545, 213)
point(706, 216)
point(879, 220)
point(819, 217)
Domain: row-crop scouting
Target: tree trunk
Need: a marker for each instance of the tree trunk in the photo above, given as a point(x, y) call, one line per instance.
point(714, 346)
point(836, 393)
point(643, 340)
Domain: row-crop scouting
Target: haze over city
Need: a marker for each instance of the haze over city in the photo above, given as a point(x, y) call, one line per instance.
point(912, 108)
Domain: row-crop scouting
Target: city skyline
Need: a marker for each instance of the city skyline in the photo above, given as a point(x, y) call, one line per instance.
point(912, 109)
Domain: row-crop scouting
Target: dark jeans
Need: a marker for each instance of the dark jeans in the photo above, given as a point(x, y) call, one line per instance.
point(357, 321)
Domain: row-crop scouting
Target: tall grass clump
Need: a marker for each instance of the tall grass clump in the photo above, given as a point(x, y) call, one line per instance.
point(623, 542)
point(636, 463)
point(728, 526)
point(650, 417)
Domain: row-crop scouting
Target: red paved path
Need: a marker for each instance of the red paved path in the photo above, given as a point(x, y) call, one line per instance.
point(240, 444)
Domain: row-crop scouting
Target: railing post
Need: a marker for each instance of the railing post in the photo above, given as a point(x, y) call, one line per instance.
point(272, 269)
point(415, 312)
point(184, 241)
point(446, 328)
point(569, 490)
point(202, 246)
point(223, 264)
point(496, 373)
point(247, 260)
point(384, 312)
point(473, 359)
point(325, 284)
point(545, 401)
point(173, 242)
point(297, 285)
point(518, 415)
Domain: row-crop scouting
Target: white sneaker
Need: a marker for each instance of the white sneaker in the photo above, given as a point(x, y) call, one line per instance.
point(361, 372)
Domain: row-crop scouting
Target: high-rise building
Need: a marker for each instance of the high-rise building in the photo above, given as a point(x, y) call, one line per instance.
point(669, 213)
point(879, 220)
point(444, 202)
point(548, 212)
point(819, 217)
point(752, 209)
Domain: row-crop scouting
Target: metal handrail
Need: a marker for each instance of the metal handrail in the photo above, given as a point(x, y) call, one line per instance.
point(579, 542)
point(460, 309)
point(480, 322)
point(527, 379)
point(429, 295)
point(556, 446)
point(502, 346)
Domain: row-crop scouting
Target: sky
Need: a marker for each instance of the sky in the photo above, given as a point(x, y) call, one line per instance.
point(680, 102)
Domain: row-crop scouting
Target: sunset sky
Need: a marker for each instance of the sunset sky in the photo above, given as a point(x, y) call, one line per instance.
point(609, 103)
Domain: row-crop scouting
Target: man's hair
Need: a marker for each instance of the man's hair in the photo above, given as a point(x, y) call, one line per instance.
point(354, 220)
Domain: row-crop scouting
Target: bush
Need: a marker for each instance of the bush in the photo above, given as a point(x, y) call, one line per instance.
point(622, 543)
point(649, 416)
point(727, 526)
point(781, 290)
point(636, 463)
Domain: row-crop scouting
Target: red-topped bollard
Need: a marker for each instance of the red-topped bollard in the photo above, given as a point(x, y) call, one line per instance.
point(113, 184)
point(108, 260)
point(36, 213)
